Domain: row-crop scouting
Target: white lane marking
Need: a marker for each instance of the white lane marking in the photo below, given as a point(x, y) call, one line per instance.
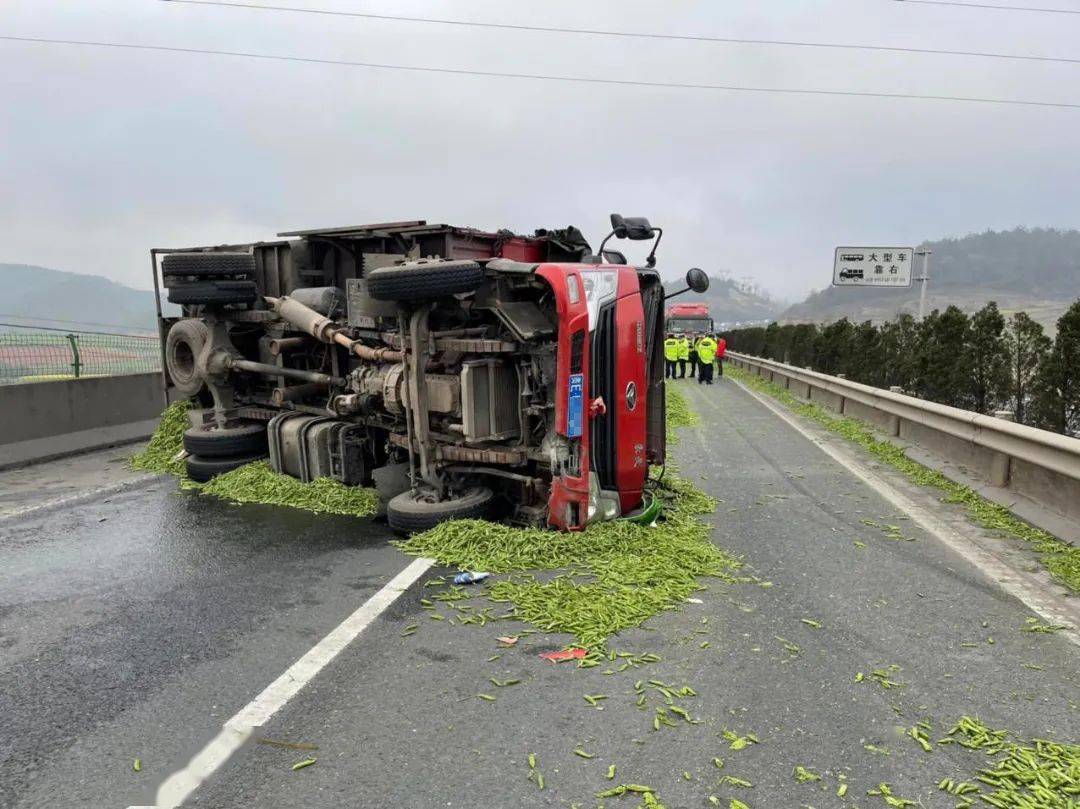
point(179, 786)
point(990, 565)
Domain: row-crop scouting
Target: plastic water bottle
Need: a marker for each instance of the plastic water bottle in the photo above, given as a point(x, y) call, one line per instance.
point(468, 577)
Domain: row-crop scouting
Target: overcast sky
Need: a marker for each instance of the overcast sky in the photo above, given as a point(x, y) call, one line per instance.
point(106, 153)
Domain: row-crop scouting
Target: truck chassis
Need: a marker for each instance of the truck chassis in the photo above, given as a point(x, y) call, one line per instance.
point(464, 373)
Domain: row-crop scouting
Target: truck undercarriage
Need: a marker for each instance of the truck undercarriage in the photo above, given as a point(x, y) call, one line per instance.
point(464, 373)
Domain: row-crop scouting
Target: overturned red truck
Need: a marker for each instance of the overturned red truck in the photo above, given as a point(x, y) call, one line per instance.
point(463, 373)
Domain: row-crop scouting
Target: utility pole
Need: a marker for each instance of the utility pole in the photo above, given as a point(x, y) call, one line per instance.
point(924, 279)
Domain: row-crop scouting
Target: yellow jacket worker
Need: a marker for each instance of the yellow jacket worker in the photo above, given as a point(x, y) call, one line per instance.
point(671, 356)
point(706, 351)
point(684, 355)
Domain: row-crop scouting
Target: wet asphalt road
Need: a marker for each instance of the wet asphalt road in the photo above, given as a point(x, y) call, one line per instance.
point(134, 628)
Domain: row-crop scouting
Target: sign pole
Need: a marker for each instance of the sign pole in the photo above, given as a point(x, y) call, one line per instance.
point(924, 280)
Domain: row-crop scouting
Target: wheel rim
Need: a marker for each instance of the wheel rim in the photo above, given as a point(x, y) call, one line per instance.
point(183, 360)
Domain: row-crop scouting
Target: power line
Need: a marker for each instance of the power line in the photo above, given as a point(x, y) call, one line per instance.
point(142, 336)
point(662, 85)
point(630, 34)
point(971, 5)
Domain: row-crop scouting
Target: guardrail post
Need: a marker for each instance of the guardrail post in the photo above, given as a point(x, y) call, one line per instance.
point(1000, 470)
point(76, 364)
point(843, 399)
point(894, 421)
point(1001, 465)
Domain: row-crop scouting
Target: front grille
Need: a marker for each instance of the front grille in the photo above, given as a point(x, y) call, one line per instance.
point(577, 351)
point(602, 379)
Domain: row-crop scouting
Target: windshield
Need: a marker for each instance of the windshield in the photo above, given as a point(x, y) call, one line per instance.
point(689, 324)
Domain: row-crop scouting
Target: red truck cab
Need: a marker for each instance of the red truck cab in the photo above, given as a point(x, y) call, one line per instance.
point(610, 387)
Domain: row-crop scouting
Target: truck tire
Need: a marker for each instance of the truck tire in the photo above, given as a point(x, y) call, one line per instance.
point(185, 340)
point(240, 266)
point(211, 441)
point(203, 469)
point(213, 292)
point(419, 281)
point(410, 512)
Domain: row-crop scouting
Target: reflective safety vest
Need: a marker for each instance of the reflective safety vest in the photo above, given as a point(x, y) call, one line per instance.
point(684, 349)
point(671, 349)
point(706, 349)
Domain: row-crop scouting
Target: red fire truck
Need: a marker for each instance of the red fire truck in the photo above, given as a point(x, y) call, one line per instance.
point(464, 373)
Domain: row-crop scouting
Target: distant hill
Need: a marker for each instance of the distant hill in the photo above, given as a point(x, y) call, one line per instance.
point(731, 301)
point(38, 296)
point(1037, 270)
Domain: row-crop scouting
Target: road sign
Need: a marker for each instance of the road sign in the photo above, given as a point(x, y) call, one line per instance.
point(873, 267)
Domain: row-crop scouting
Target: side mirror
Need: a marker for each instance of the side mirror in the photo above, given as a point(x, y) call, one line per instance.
point(634, 228)
point(697, 280)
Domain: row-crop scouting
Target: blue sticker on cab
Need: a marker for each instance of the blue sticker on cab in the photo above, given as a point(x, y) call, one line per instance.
point(575, 405)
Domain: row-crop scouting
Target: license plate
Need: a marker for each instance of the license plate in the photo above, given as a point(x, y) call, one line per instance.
point(575, 405)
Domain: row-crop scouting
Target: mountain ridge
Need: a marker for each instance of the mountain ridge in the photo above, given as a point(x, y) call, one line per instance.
point(41, 296)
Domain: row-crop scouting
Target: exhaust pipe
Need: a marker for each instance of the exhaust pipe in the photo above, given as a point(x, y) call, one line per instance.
point(324, 329)
point(283, 344)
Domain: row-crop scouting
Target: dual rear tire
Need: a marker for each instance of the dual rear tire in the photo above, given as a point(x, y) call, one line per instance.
point(214, 450)
point(212, 278)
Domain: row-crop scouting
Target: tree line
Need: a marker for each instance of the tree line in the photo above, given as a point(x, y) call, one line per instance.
point(982, 362)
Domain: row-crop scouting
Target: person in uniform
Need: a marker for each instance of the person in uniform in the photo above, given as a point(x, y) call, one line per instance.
point(684, 355)
point(706, 349)
point(671, 356)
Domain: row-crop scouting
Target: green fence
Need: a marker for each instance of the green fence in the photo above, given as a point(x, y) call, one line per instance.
point(41, 354)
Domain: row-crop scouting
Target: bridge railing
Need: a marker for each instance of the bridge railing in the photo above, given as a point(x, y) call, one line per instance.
point(1042, 466)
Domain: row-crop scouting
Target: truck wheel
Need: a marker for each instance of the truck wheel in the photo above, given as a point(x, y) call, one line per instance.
point(211, 441)
point(203, 469)
point(213, 292)
point(419, 280)
point(239, 266)
point(411, 511)
point(185, 340)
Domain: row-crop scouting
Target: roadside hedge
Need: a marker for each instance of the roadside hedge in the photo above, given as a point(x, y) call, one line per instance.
point(983, 362)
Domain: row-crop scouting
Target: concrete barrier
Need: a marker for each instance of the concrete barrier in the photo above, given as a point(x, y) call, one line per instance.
point(1040, 466)
point(49, 419)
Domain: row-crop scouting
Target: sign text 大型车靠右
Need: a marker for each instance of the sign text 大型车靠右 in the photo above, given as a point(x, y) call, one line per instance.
point(873, 267)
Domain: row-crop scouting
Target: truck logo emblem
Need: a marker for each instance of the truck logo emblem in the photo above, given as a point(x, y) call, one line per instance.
point(631, 396)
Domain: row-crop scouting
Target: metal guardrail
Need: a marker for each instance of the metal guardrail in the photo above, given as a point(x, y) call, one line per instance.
point(45, 354)
point(1040, 448)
